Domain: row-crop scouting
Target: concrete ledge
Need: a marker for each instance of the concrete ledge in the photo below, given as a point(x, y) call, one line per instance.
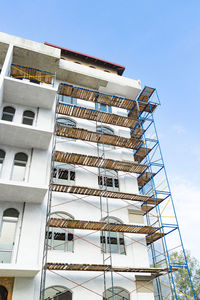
point(14, 270)
point(27, 93)
point(21, 192)
point(25, 136)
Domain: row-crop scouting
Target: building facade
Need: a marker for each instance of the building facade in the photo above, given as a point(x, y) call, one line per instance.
point(78, 215)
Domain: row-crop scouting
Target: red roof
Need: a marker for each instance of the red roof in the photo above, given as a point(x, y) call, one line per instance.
point(120, 69)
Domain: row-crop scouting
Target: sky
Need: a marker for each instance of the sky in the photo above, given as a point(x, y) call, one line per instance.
point(159, 43)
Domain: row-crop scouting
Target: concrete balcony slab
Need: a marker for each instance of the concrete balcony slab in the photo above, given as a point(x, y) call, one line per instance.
point(15, 270)
point(26, 93)
point(21, 192)
point(24, 136)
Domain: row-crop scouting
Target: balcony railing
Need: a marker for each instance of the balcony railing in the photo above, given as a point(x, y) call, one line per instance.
point(33, 75)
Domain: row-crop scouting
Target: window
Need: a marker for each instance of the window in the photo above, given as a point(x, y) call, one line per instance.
point(108, 179)
point(113, 241)
point(3, 293)
point(8, 113)
point(102, 129)
point(57, 293)
point(2, 156)
point(67, 99)
point(7, 234)
point(103, 107)
point(28, 117)
point(66, 122)
point(119, 294)
point(63, 173)
point(19, 167)
point(60, 238)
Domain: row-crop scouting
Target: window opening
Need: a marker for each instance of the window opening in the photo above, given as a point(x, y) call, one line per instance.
point(28, 117)
point(2, 157)
point(58, 238)
point(7, 234)
point(108, 179)
point(119, 294)
point(8, 113)
point(64, 173)
point(114, 241)
point(19, 167)
point(67, 99)
point(3, 293)
point(103, 107)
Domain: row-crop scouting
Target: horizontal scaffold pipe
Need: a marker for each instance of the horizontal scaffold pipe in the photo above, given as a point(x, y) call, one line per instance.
point(98, 162)
point(82, 190)
point(152, 232)
point(102, 268)
point(95, 96)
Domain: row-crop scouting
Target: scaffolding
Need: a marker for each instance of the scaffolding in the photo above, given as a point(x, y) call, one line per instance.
point(161, 233)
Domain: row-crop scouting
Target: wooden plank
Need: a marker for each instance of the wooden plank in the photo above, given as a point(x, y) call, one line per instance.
point(94, 161)
point(101, 268)
point(82, 190)
point(96, 137)
point(94, 96)
point(93, 225)
point(94, 115)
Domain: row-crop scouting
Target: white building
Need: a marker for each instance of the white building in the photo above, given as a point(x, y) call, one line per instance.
point(86, 183)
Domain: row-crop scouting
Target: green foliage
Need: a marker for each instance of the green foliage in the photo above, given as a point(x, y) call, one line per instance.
point(182, 280)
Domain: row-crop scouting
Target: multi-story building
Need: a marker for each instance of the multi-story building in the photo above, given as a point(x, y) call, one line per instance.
point(81, 210)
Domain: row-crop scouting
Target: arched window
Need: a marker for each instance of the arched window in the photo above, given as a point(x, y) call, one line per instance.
point(67, 99)
point(108, 179)
point(60, 238)
point(64, 173)
point(103, 107)
point(57, 293)
point(66, 122)
point(116, 293)
point(3, 293)
point(8, 113)
point(2, 156)
point(7, 234)
point(28, 117)
point(102, 129)
point(19, 167)
point(113, 241)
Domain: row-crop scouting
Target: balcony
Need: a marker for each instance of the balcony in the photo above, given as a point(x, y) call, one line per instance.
point(15, 270)
point(24, 136)
point(30, 87)
point(21, 192)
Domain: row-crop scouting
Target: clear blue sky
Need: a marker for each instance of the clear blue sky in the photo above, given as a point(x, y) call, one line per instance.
point(159, 43)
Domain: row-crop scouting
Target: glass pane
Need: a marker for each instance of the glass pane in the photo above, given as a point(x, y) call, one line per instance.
point(58, 239)
point(5, 257)
point(7, 117)
point(18, 173)
point(7, 235)
point(27, 121)
point(103, 107)
point(29, 114)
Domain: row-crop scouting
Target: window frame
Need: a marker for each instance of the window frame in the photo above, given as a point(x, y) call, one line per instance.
point(54, 230)
point(5, 219)
point(25, 168)
point(64, 167)
point(29, 118)
point(2, 161)
point(8, 113)
point(107, 175)
point(105, 237)
point(107, 110)
point(73, 100)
